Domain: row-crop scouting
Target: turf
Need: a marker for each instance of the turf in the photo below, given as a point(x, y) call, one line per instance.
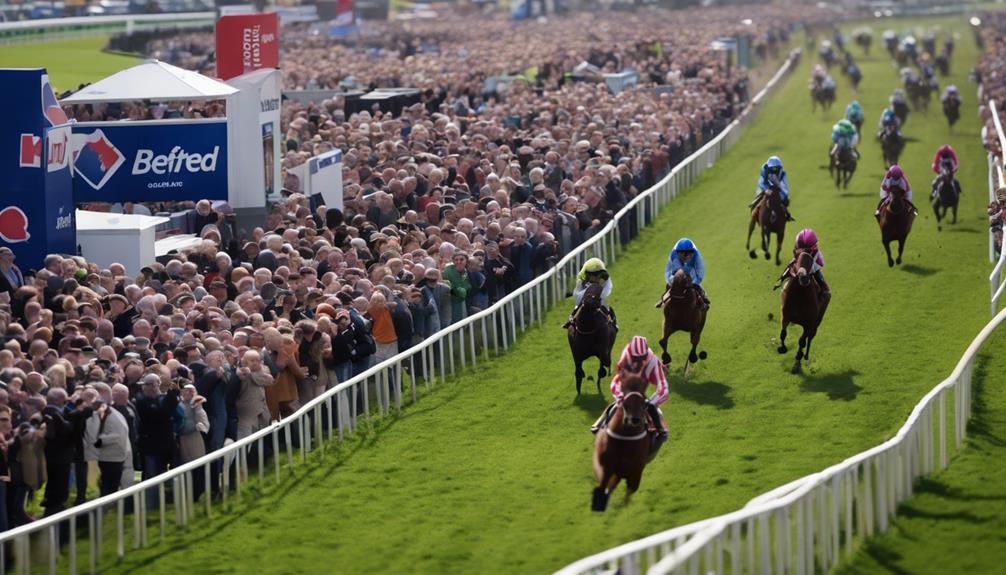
point(956, 520)
point(490, 473)
point(69, 63)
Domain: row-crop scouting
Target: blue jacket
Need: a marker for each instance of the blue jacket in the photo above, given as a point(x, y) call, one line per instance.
point(763, 183)
point(695, 267)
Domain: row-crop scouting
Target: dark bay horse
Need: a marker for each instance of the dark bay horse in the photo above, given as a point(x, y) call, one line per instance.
point(947, 193)
point(821, 95)
point(622, 448)
point(843, 166)
point(591, 334)
point(895, 221)
point(891, 142)
point(801, 305)
point(771, 216)
point(683, 312)
point(952, 110)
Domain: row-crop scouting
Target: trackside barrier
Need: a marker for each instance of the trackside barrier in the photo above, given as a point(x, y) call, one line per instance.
point(996, 181)
point(52, 29)
point(807, 525)
point(173, 497)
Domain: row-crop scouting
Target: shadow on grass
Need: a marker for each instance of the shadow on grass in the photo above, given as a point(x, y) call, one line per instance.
point(885, 557)
point(705, 393)
point(914, 512)
point(836, 385)
point(591, 402)
point(964, 230)
point(855, 194)
point(922, 271)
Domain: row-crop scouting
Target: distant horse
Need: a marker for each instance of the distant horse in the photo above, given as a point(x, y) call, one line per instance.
point(591, 334)
point(946, 195)
point(623, 446)
point(891, 143)
point(895, 220)
point(801, 305)
point(683, 311)
point(901, 111)
point(952, 111)
point(863, 40)
point(771, 216)
point(843, 166)
point(821, 95)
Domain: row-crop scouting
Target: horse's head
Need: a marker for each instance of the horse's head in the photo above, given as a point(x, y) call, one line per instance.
point(804, 265)
point(592, 297)
point(946, 171)
point(680, 283)
point(634, 402)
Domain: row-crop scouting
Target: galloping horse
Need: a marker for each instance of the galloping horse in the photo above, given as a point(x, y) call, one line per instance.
point(901, 111)
point(946, 195)
point(683, 311)
point(895, 221)
point(821, 95)
point(891, 143)
point(842, 167)
point(591, 334)
point(801, 305)
point(623, 446)
point(771, 216)
point(952, 110)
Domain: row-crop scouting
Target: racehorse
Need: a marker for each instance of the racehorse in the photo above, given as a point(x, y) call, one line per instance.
point(895, 220)
point(919, 92)
point(901, 111)
point(952, 110)
point(946, 194)
point(591, 334)
point(891, 142)
point(623, 446)
point(771, 216)
point(843, 165)
point(821, 95)
point(683, 311)
point(801, 305)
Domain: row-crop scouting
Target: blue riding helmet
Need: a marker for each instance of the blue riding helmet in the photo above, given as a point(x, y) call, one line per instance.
point(684, 245)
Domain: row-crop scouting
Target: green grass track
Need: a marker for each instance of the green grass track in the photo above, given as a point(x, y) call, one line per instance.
point(69, 62)
point(491, 472)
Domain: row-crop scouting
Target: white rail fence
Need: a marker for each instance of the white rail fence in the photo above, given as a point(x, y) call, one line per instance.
point(52, 29)
point(996, 181)
point(134, 522)
point(806, 526)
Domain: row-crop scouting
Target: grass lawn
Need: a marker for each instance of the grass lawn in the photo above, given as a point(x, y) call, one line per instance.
point(956, 521)
point(491, 473)
point(69, 63)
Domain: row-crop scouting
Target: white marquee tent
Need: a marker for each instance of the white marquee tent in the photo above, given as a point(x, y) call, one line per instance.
point(152, 80)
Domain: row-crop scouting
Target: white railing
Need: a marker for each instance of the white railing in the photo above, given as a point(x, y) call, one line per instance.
point(996, 181)
point(339, 410)
point(806, 525)
point(50, 29)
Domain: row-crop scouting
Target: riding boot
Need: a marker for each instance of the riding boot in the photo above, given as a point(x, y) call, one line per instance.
point(757, 199)
point(611, 315)
point(663, 296)
point(572, 314)
point(603, 420)
point(785, 208)
point(880, 204)
point(660, 437)
point(825, 290)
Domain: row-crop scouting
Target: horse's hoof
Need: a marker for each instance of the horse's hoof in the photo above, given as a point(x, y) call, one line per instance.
point(799, 355)
point(703, 355)
point(693, 357)
point(665, 358)
point(753, 255)
point(796, 368)
point(599, 502)
point(898, 261)
point(767, 256)
point(890, 263)
point(781, 349)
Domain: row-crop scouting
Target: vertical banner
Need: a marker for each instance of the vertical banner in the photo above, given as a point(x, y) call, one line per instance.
point(254, 133)
point(247, 43)
point(36, 195)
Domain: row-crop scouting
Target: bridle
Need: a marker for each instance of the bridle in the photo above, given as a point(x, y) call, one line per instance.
point(615, 434)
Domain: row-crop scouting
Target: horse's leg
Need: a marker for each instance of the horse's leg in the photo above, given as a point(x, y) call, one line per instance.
point(887, 248)
point(578, 362)
point(766, 240)
point(664, 356)
point(751, 227)
point(599, 502)
point(901, 249)
point(936, 212)
point(801, 345)
point(954, 208)
point(782, 335)
point(778, 245)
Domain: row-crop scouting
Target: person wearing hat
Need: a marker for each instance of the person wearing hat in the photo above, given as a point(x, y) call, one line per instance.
point(592, 272)
point(11, 277)
point(248, 384)
point(156, 411)
point(194, 423)
point(121, 315)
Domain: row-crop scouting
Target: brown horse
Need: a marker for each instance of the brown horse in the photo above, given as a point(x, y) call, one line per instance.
point(946, 195)
point(801, 305)
point(771, 216)
point(683, 312)
point(843, 166)
point(591, 334)
point(895, 220)
point(622, 448)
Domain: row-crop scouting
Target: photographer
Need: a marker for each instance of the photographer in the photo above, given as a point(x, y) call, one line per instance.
point(106, 440)
point(60, 448)
point(156, 410)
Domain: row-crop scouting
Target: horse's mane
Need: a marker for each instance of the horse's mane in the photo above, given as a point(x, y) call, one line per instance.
point(633, 383)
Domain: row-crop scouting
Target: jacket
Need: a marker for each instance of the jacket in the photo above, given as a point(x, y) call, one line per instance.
point(113, 433)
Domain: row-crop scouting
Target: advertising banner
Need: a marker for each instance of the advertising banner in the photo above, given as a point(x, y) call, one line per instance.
point(246, 43)
point(149, 161)
point(255, 138)
point(36, 203)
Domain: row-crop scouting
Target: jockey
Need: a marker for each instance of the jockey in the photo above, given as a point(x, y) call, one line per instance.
point(854, 113)
point(889, 120)
point(898, 97)
point(638, 358)
point(592, 271)
point(818, 75)
point(807, 240)
point(894, 179)
point(772, 175)
point(945, 153)
point(843, 135)
point(950, 94)
point(687, 257)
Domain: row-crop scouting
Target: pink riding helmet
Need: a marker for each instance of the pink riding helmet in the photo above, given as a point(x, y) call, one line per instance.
point(806, 239)
point(639, 347)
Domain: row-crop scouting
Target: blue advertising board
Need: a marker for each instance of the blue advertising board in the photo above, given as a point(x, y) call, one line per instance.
point(36, 196)
point(150, 161)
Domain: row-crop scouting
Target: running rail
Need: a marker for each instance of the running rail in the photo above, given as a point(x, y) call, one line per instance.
point(338, 411)
point(807, 525)
point(49, 29)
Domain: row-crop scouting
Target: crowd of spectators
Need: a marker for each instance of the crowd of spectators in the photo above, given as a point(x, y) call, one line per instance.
point(990, 73)
point(448, 207)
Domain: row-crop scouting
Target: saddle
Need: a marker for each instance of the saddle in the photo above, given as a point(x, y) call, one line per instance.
point(909, 206)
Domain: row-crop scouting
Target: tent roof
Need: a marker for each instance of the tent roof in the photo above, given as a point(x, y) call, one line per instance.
point(152, 80)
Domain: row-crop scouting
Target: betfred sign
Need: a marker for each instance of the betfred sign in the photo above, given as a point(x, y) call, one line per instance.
point(149, 161)
point(246, 43)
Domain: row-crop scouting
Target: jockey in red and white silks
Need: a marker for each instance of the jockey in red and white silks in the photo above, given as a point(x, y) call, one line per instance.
point(637, 357)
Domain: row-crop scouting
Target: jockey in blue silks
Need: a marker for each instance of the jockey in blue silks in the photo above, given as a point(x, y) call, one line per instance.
point(772, 175)
point(685, 256)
